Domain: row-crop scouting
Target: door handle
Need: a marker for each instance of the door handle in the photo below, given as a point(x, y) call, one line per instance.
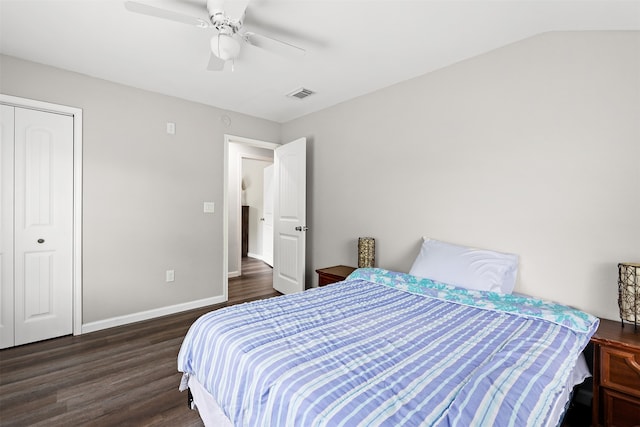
point(261, 219)
point(302, 228)
point(40, 240)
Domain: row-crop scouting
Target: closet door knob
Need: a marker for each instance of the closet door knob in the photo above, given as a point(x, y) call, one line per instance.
point(40, 240)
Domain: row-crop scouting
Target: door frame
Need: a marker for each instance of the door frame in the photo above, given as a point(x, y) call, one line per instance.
point(76, 113)
point(229, 139)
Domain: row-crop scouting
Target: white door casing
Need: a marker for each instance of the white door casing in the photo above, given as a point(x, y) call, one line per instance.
point(289, 185)
point(229, 140)
point(43, 224)
point(267, 214)
point(6, 226)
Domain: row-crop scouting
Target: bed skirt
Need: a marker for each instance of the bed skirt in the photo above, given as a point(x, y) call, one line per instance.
point(207, 407)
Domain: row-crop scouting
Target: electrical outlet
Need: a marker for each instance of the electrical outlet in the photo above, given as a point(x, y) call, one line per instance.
point(170, 275)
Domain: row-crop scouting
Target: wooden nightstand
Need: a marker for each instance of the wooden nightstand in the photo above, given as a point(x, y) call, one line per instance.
point(333, 274)
point(616, 375)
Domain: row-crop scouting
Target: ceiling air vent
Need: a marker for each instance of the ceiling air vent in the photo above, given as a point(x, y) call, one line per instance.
point(301, 93)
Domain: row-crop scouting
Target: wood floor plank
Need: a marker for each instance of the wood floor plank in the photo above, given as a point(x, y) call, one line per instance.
point(124, 376)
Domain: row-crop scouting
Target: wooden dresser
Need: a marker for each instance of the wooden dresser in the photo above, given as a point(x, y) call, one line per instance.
point(616, 375)
point(333, 274)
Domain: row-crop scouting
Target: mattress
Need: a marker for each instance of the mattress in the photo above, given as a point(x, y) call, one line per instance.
point(386, 348)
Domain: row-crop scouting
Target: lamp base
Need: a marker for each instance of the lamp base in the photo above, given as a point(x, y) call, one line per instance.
point(629, 292)
point(635, 325)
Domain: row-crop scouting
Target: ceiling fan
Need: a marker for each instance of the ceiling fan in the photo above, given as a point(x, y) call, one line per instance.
point(227, 18)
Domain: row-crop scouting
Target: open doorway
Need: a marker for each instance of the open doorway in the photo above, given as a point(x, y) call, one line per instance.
point(257, 209)
point(245, 160)
point(289, 231)
point(255, 278)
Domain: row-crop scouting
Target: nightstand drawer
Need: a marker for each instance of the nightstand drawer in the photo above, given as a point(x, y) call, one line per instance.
point(324, 279)
point(622, 410)
point(329, 275)
point(620, 370)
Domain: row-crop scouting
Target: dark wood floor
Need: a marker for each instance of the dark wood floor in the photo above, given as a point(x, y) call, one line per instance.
point(125, 376)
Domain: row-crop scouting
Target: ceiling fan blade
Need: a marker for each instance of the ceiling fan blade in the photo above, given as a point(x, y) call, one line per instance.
point(273, 45)
point(157, 12)
point(215, 63)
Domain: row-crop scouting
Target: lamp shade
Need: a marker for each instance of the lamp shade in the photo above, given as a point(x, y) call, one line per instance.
point(629, 292)
point(225, 46)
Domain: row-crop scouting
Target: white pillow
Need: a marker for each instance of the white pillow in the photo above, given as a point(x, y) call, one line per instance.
point(466, 267)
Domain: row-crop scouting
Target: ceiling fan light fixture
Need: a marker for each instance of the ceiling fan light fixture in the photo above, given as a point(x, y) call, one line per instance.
point(225, 46)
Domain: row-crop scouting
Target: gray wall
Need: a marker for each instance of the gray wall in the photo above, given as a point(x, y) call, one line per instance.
point(532, 148)
point(143, 189)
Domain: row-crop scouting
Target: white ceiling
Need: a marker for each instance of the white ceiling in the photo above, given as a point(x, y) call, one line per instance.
point(353, 47)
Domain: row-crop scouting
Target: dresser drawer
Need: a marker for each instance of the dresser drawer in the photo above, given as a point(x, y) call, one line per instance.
point(620, 370)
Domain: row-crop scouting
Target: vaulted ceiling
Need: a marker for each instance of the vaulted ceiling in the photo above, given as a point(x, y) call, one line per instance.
point(352, 47)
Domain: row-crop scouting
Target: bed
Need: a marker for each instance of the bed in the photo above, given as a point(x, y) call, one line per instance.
point(385, 348)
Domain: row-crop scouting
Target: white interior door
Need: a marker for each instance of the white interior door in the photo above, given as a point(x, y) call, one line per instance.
point(6, 226)
point(267, 215)
point(43, 225)
point(290, 188)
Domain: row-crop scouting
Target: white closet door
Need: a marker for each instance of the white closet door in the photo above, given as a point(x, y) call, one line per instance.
point(6, 226)
point(43, 225)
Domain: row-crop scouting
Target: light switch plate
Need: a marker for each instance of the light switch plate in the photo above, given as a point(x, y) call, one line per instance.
point(209, 207)
point(171, 128)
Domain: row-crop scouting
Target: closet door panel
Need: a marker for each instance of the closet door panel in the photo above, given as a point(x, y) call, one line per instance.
point(43, 225)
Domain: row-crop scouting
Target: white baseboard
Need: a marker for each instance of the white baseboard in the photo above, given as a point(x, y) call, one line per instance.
point(149, 314)
point(233, 274)
point(261, 258)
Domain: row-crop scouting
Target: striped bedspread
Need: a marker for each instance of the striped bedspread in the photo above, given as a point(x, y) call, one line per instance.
point(385, 348)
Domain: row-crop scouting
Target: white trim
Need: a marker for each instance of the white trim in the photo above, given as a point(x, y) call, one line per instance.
point(255, 256)
point(228, 139)
point(76, 113)
point(238, 203)
point(149, 314)
point(77, 222)
point(251, 142)
point(33, 104)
